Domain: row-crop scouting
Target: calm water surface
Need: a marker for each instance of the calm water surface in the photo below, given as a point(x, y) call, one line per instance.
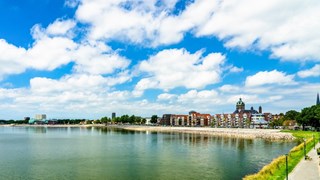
point(101, 153)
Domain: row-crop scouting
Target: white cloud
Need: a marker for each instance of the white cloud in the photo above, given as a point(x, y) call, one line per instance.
point(72, 83)
point(46, 53)
point(53, 47)
point(198, 96)
point(229, 88)
point(178, 68)
point(72, 3)
point(10, 59)
point(269, 77)
point(266, 26)
point(236, 69)
point(146, 22)
point(98, 59)
point(289, 28)
point(313, 72)
point(61, 27)
point(166, 97)
point(49, 53)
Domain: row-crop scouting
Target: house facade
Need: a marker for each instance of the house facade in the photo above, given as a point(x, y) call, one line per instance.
point(240, 118)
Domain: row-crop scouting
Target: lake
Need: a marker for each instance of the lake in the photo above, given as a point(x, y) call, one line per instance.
point(106, 153)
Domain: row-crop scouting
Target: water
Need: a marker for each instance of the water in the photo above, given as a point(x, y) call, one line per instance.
point(101, 153)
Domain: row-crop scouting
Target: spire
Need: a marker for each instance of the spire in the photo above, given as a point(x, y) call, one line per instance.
point(318, 100)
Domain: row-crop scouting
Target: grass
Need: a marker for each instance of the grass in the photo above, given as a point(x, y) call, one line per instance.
point(301, 134)
point(277, 168)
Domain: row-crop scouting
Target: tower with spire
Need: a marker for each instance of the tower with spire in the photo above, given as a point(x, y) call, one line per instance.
point(318, 100)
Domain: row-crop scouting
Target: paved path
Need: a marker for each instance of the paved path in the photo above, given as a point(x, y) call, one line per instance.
point(307, 169)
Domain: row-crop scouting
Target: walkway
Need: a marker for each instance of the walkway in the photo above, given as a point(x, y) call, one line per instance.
point(307, 169)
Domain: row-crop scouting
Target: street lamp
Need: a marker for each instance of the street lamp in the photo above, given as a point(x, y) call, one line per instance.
point(286, 166)
point(314, 142)
point(304, 149)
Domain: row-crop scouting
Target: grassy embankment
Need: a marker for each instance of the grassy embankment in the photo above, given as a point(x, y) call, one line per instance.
point(277, 168)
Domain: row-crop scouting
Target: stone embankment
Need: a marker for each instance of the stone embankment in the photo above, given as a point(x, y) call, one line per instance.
point(270, 134)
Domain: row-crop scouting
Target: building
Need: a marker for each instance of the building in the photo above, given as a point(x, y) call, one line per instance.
point(242, 118)
point(166, 119)
point(318, 100)
point(193, 119)
point(40, 117)
point(113, 115)
point(198, 119)
point(180, 120)
point(258, 121)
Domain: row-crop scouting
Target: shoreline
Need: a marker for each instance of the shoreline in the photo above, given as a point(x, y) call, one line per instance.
point(53, 126)
point(269, 134)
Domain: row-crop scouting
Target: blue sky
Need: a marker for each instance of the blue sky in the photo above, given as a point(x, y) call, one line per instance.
point(88, 58)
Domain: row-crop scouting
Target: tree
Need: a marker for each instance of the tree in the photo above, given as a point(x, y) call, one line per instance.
point(105, 120)
point(291, 115)
point(143, 121)
point(138, 120)
point(132, 119)
point(154, 119)
point(310, 116)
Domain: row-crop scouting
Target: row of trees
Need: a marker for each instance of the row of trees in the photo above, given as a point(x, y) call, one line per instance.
point(309, 116)
point(57, 121)
point(125, 119)
point(122, 119)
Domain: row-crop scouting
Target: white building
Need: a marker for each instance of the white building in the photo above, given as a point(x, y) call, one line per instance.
point(40, 117)
point(258, 121)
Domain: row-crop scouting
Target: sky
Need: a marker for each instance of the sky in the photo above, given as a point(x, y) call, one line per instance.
point(89, 58)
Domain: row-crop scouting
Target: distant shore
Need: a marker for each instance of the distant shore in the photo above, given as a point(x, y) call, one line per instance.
point(271, 134)
point(56, 125)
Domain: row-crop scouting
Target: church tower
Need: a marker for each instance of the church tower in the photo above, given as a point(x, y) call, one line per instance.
point(240, 106)
point(318, 100)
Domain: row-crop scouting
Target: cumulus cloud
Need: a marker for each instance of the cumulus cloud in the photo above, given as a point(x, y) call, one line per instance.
point(266, 26)
point(97, 58)
point(235, 69)
point(71, 3)
point(166, 97)
point(11, 59)
point(269, 77)
point(287, 28)
point(145, 22)
point(61, 27)
point(178, 68)
point(46, 53)
point(53, 47)
point(229, 88)
point(198, 96)
point(313, 72)
point(49, 53)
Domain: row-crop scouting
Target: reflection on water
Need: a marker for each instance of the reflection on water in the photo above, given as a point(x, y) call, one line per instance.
point(109, 153)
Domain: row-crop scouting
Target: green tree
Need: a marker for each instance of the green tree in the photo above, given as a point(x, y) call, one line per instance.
point(105, 120)
point(310, 116)
point(291, 115)
point(143, 121)
point(138, 120)
point(154, 119)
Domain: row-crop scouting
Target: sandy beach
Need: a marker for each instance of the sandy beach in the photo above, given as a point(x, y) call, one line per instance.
point(271, 134)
